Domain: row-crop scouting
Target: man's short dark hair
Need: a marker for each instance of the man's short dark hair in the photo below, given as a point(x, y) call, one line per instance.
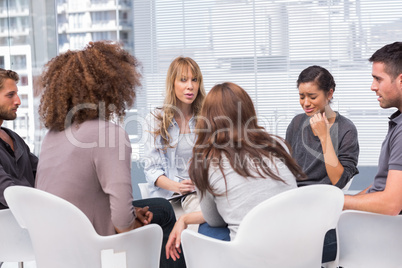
point(391, 56)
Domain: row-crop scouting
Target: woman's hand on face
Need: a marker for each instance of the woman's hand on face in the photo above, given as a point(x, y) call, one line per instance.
point(320, 125)
point(186, 186)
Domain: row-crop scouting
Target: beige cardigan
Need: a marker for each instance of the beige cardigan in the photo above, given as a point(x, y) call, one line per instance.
point(89, 165)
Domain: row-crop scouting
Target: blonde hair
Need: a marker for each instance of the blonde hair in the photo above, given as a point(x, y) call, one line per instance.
point(165, 114)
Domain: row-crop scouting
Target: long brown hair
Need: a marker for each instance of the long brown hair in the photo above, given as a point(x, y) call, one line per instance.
point(177, 69)
point(227, 126)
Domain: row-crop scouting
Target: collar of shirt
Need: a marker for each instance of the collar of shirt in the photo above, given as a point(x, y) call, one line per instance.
point(395, 119)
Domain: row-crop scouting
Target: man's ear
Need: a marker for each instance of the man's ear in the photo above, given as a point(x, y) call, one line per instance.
point(399, 79)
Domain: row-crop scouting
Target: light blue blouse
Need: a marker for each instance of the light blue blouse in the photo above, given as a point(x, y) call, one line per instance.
point(157, 161)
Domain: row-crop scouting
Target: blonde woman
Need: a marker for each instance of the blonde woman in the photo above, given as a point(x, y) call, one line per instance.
point(171, 137)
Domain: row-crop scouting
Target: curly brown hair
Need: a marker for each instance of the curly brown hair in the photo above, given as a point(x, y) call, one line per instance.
point(99, 81)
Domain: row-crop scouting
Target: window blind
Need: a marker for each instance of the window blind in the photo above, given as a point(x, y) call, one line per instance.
point(264, 45)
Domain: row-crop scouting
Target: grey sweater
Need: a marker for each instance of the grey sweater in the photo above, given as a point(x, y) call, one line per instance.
point(307, 150)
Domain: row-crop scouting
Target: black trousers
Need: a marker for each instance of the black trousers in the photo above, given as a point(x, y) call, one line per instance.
point(163, 216)
point(330, 246)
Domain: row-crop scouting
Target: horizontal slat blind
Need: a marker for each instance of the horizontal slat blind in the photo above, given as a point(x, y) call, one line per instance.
point(263, 46)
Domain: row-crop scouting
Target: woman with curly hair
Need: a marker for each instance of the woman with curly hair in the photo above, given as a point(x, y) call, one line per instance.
point(85, 158)
point(236, 164)
point(171, 134)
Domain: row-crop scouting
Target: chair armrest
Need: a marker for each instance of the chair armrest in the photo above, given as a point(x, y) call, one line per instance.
point(197, 250)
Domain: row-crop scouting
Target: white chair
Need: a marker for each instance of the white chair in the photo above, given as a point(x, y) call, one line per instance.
point(62, 236)
point(369, 240)
point(286, 230)
point(15, 243)
point(144, 189)
point(347, 186)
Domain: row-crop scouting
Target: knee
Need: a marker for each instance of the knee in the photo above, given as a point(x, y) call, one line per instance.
point(164, 203)
point(163, 207)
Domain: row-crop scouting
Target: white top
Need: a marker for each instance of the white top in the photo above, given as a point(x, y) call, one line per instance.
point(184, 152)
point(159, 161)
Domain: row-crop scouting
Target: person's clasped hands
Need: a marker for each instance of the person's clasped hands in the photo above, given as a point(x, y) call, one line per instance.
point(144, 216)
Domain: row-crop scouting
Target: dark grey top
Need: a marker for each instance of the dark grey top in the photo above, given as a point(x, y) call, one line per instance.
point(307, 150)
point(17, 167)
point(391, 153)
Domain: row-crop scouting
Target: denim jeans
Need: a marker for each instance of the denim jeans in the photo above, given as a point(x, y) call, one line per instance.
point(164, 216)
point(221, 233)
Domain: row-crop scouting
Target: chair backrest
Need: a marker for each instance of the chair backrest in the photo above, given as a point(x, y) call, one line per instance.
point(369, 240)
point(144, 190)
point(62, 235)
point(15, 243)
point(286, 230)
point(347, 186)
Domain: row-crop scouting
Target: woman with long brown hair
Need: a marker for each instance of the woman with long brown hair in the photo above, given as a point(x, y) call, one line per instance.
point(236, 164)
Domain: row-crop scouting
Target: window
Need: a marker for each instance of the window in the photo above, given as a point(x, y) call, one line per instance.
point(24, 100)
point(23, 81)
point(261, 45)
point(98, 36)
point(18, 62)
point(264, 45)
point(27, 42)
point(102, 19)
